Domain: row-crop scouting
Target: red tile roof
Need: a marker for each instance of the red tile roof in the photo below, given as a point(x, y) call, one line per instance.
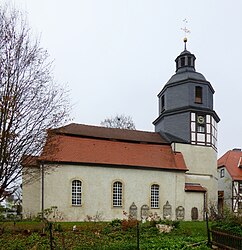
point(88, 131)
point(76, 149)
point(231, 161)
point(194, 187)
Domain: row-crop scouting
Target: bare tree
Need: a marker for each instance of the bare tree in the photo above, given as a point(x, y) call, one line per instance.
point(30, 100)
point(119, 121)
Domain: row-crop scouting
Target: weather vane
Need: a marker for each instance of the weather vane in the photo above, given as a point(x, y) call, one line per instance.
point(186, 31)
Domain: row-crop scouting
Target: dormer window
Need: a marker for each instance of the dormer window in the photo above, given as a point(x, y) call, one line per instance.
point(198, 94)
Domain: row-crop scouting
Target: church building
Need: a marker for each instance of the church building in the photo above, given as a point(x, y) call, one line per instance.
point(96, 172)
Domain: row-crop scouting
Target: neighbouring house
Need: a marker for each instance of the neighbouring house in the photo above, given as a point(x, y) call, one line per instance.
point(230, 181)
point(91, 171)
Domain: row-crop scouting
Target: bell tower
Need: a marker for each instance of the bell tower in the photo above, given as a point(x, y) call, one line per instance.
point(186, 105)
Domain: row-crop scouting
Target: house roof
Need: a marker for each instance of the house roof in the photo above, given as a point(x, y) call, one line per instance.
point(194, 187)
point(232, 161)
point(88, 131)
point(99, 150)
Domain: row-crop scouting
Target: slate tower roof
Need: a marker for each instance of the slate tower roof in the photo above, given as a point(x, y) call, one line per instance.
point(186, 92)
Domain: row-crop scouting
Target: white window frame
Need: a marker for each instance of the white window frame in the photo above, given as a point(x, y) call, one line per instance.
point(154, 196)
point(117, 194)
point(76, 193)
point(222, 172)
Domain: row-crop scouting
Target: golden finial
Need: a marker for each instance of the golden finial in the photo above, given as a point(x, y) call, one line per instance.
point(186, 31)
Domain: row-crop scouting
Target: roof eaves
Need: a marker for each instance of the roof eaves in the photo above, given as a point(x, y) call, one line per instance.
point(194, 187)
point(114, 165)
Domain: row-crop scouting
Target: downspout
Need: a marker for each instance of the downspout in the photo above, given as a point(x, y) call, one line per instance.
point(174, 147)
point(42, 190)
point(204, 205)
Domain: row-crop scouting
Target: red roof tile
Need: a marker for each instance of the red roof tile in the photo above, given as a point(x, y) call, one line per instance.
point(231, 161)
point(74, 149)
point(194, 187)
point(111, 133)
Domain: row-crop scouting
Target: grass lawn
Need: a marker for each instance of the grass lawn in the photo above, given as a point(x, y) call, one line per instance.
point(101, 235)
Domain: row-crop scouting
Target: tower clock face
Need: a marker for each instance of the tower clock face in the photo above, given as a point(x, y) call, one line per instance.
point(200, 119)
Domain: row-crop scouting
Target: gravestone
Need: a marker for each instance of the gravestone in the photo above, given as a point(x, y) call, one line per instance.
point(167, 211)
point(194, 213)
point(133, 211)
point(180, 213)
point(144, 212)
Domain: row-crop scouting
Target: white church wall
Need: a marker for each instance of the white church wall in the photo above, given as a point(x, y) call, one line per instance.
point(202, 164)
point(31, 191)
point(199, 159)
point(194, 199)
point(97, 190)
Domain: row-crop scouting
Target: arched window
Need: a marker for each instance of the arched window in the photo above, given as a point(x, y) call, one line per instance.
point(154, 201)
point(76, 193)
point(117, 194)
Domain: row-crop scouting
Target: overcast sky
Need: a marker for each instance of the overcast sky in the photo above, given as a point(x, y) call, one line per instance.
point(116, 55)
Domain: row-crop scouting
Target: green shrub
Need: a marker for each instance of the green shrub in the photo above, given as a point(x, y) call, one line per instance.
point(103, 236)
point(58, 227)
point(116, 223)
point(230, 222)
point(129, 224)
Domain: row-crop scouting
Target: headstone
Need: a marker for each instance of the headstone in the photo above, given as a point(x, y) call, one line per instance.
point(167, 211)
point(144, 212)
point(194, 213)
point(133, 211)
point(180, 213)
